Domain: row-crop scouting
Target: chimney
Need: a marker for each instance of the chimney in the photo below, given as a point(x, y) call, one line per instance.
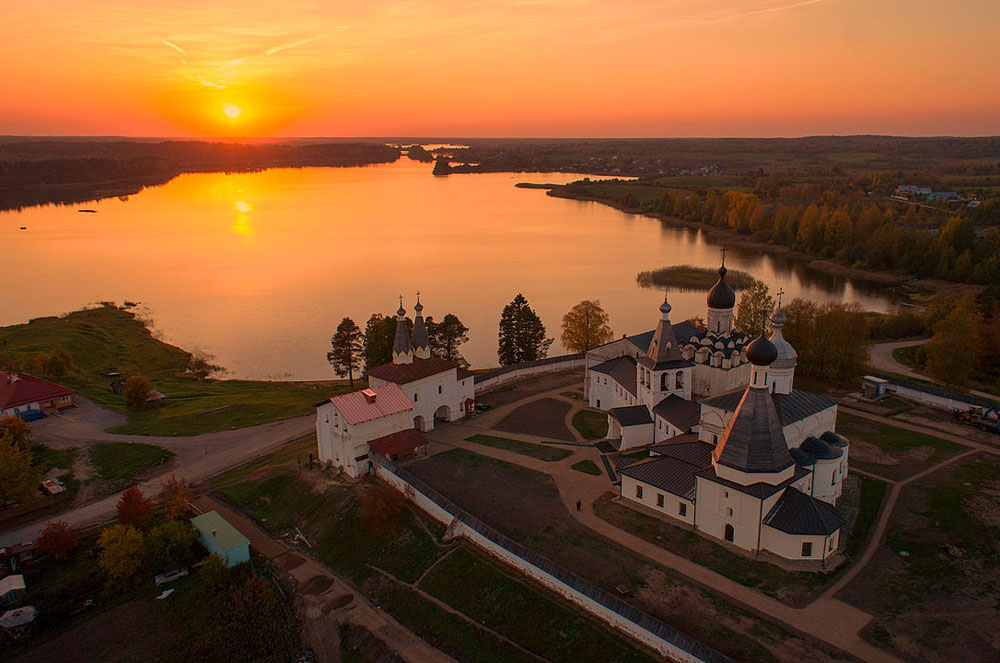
point(370, 395)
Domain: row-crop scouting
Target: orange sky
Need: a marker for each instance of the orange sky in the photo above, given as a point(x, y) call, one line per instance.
point(492, 68)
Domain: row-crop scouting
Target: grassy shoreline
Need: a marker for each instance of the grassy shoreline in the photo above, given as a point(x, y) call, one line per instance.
point(110, 339)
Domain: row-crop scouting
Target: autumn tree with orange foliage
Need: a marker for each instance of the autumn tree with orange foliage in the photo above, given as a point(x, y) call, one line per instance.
point(175, 497)
point(57, 540)
point(134, 508)
point(17, 431)
point(382, 508)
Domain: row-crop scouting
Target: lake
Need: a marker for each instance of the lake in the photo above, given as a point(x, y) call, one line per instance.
point(258, 269)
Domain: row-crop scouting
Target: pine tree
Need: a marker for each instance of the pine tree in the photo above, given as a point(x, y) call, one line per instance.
point(346, 354)
point(446, 336)
point(522, 334)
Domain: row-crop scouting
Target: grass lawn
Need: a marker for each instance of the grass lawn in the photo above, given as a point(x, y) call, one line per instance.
point(527, 616)
point(794, 587)
point(587, 467)
point(891, 439)
point(592, 425)
point(539, 451)
point(123, 462)
point(872, 493)
point(45, 458)
point(108, 339)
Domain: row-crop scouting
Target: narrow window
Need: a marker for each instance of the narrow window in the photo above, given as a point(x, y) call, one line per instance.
point(439, 389)
point(807, 549)
point(598, 402)
point(682, 509)
point(638, 492)
point(729, 511)
point(833, 479)
point(415, 398)
point(659, 500)
point(730, 533)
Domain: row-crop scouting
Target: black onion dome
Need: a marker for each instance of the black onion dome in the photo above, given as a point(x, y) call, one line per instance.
point(762, 351)
point(721, 295)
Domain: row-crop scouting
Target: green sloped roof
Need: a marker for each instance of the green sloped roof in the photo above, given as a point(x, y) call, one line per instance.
point(226, 536)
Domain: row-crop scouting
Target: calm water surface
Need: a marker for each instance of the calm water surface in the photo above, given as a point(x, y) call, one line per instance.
point(258, 269)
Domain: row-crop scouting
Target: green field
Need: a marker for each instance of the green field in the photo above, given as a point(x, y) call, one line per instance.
point(892, 439)
point(587, 467)
point(592, 425)
point(539, 451)
point(106, 339)
point(123, 462)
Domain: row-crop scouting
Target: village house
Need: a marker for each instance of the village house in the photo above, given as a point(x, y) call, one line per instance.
point(220, 538)
point(28, 397)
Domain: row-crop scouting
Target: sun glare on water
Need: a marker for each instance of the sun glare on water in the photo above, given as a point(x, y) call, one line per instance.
point(232, 111)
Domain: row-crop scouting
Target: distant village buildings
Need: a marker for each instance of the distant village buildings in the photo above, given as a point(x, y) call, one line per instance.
point(410, 394)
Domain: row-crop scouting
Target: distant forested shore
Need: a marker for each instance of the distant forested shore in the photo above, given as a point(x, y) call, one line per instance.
point(41, 172)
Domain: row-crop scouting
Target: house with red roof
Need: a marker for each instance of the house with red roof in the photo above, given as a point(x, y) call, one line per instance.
point(21, 395)
point(350, 426)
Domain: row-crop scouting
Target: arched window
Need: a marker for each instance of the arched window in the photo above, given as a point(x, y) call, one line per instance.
point(680, 379)
point(730, 533)
point(664, 382)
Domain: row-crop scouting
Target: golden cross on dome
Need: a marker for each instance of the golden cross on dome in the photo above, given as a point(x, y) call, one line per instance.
point(724, 249)
point(781, 291)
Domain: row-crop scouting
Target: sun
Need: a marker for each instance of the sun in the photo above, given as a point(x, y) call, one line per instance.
point(232, 111)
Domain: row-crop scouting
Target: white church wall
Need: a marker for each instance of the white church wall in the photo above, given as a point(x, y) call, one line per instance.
point(719, 506)
point(636, 436)
point(790, 546)
point(604, 392)
point(813, 425)
point(658, 499)
point(340, 443)
point(827, 480)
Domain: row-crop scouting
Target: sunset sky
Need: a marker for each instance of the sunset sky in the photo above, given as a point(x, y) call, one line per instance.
point(492, 68)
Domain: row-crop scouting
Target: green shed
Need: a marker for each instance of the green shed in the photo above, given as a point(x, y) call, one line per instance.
point(218, 536)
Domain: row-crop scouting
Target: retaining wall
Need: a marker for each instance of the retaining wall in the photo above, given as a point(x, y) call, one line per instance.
point(486, 381)
point(643, 627)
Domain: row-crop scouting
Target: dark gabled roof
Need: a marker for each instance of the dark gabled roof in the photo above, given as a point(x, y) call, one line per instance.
point(754, 440)
point(679, 412)
point(696, 452)
point(798, 405)
point(760, 490)
point(419, 369)
point(685, 330)
point(792, 407)
point(632, 415)
point(621, 370)
point(972, 400)
point(397, 443)
point(642, 340)
point(834, 439)
point(668, 474)
point(798, 513)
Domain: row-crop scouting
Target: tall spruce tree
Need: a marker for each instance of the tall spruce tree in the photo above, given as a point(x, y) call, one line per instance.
point(522, 334)
point(346, 355)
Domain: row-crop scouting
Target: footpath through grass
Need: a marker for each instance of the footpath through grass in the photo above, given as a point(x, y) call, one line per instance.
point(592, 425)
point(538, 451)
point(109, 339)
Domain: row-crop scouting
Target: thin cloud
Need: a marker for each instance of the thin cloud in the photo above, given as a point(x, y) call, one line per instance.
point(283, 47)
point(173, 46)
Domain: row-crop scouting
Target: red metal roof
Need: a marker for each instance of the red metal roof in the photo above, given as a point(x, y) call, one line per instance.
point(356, 408)
point(398, 443)
point(21, 389)
point(404, 373)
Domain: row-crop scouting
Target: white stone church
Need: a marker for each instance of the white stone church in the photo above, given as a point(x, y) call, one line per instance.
point(759, 466)
point(408, 395)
